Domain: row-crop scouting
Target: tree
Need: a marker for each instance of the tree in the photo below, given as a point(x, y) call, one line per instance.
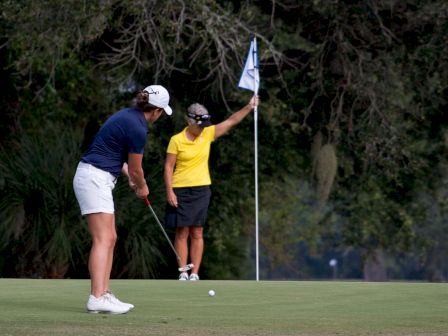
point(353, 99)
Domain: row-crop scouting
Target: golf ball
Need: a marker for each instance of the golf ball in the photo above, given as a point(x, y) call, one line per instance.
point(211, 292)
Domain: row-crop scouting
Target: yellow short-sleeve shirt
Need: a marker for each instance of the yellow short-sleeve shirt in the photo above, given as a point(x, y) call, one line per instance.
point(191, 169)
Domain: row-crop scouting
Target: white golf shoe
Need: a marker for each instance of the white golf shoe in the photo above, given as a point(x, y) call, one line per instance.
point(183, 276)
point(194, 277)
point(116, 300)
point(105, 304)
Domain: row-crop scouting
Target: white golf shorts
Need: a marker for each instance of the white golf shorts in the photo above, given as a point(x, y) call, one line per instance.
point(93, 189)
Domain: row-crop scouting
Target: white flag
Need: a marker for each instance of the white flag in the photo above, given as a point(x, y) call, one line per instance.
point(250, 78)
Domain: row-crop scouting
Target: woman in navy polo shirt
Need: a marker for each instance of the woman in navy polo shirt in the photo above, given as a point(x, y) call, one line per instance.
point(117, 148)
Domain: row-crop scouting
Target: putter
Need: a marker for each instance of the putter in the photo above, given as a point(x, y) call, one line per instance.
point(181, 268)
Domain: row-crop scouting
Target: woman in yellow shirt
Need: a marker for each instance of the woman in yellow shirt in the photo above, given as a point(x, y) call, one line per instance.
point(187, 180)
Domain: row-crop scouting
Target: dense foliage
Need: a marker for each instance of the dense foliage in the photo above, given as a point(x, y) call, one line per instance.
point(352, 144)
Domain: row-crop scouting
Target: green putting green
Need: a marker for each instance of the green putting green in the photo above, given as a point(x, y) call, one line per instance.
point(170, 307)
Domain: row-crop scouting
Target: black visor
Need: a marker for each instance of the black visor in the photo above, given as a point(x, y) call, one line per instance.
point(201, 120)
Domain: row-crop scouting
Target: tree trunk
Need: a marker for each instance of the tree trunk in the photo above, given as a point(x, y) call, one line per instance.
point(374, 266)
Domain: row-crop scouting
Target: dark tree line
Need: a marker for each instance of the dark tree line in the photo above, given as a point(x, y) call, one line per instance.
point(352, 146)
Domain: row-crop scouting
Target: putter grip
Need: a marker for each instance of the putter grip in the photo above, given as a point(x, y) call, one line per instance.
point(146, 201)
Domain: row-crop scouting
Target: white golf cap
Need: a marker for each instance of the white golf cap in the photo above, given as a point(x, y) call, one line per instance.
point(159, 96)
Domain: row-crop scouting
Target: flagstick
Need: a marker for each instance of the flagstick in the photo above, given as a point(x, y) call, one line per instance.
point(256, 192)
point(251, 66)
point(257, 259)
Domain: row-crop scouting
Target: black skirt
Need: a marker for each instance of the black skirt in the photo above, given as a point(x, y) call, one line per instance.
point(192, 206)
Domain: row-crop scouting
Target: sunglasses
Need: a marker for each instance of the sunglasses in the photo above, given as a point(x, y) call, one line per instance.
point(199, 118)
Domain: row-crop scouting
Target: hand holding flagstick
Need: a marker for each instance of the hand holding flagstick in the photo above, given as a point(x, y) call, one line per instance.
point(254, 101)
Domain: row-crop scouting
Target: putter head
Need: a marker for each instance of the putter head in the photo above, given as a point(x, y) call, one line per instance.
point(186, 268)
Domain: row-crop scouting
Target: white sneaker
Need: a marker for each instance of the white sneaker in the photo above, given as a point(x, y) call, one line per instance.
point(194, 277)
point(116, 300)
point(104, 304)
point(183, 276)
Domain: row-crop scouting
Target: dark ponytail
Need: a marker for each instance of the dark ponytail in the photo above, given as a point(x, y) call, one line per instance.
point(142, 102)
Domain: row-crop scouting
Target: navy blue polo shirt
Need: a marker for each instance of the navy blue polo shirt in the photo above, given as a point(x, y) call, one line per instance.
point(122, 133)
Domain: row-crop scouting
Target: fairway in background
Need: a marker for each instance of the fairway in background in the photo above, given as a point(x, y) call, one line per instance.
point(169, 307)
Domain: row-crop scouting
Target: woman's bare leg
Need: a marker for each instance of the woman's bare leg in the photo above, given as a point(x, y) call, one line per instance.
point(104, 236)
point(196, 247)
point(110, 258)
point(181, 244)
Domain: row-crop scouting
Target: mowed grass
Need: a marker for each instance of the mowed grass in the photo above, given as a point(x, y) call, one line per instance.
point(169, 307)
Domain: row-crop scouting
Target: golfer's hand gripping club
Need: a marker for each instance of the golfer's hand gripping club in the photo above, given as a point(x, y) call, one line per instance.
point(181, 268)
